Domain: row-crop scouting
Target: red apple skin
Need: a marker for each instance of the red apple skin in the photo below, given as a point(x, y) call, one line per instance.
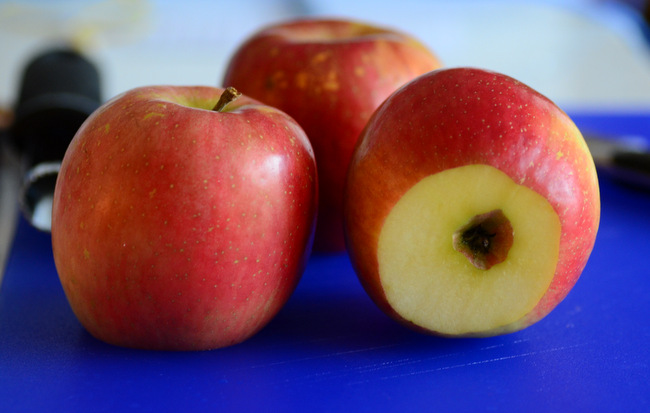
point(176, 227)
point(329, 75)
point(462, 116)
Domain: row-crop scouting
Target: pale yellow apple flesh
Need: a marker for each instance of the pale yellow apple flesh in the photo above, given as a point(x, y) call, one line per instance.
point(427, 281)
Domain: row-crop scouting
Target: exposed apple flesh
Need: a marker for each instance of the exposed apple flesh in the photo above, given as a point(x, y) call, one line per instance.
point(434, 286)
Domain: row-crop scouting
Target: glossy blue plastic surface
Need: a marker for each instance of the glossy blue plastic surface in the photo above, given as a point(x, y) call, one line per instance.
point(331, 349)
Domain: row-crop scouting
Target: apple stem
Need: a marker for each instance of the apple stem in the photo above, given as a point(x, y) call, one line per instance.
point(228, 95)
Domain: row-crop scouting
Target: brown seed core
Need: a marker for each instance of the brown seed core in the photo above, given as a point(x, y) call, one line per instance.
point(485, 240)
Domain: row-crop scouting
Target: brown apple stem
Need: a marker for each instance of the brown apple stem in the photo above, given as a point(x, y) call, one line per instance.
point(485, 240)
point(228, 95)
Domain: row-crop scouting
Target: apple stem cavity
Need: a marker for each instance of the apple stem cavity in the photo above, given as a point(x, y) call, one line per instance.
point(229, 95)
point(485, 240)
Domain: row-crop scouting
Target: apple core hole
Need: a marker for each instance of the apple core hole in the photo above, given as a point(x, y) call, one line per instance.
point(485, 240)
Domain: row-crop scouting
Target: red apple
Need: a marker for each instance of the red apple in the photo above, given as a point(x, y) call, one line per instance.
point(329, 75)
point(472, 204)
point(179, 224)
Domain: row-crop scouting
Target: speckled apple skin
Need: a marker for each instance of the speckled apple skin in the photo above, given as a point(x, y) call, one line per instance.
point(330, 75)
point(176, 227)
point(462, 116)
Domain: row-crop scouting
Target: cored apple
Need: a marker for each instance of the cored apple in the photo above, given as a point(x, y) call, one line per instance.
point(472, 204)
point(183, 217)
point(329, 75)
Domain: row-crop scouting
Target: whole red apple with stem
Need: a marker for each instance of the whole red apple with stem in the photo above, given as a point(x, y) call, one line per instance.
point(183, 217)
point(472, 204)
point(330, 75)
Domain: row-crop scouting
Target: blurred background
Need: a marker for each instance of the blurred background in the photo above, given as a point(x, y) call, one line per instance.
point(589, 56)
point(585, 55)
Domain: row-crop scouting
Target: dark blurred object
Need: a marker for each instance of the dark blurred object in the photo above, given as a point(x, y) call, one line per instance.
point(646, 12)
point(58, 90)
point(646, 19)
point(642, 9)
point(626, 160)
